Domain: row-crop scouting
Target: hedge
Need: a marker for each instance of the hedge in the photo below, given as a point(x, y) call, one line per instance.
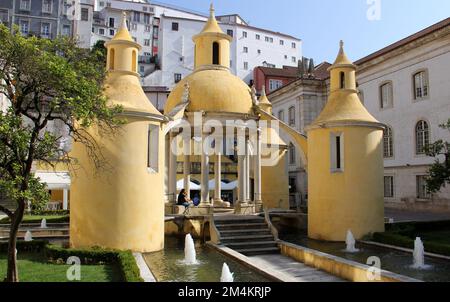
point(123, 259)
point(38, 219)
point(50, 213)
point(402, 234)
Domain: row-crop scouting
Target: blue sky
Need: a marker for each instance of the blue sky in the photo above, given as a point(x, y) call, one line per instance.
point(322, 23)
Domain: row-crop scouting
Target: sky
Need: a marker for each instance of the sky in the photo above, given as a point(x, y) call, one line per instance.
point(322, 23)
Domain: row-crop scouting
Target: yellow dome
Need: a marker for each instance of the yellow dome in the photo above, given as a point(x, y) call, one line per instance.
point(212, 90)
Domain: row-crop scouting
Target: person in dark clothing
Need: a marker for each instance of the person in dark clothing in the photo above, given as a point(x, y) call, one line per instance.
point(183, 200)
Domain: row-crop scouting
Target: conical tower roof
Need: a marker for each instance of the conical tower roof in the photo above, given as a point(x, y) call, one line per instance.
point(211, 25)
point(123, 34)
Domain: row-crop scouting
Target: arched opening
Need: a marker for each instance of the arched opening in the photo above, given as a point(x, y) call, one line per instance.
point(342, 79)
point(111, 58)
point(134, 62)
point(216, 53)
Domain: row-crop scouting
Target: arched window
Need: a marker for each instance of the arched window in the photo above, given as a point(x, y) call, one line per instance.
point(422, 136)
point(386, 95)
point(134, 62)
point(291, 154)
point(111, 58)
point(342, 79)
point(388, 143)
point(292, 116)
point(216, 53)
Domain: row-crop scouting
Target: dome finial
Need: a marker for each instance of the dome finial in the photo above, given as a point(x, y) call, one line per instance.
point(211, 9)
point(124, 20)
point(341, 44)
point(263, 91)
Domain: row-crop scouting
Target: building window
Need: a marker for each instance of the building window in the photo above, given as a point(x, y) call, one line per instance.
point(153, 148)
point(245, 65)
point(47, 6)
point(230, 32)
point(281, 115)
point(386, 96)
point(259, 51)
point(25, 5)
point(291, 154)
point(24, 27)
point(422, 189)
point(175, 26)
point(245, 49)
point(421, 88)
point(216, 53)
point(111, 22)
point(294, 45)
point(146, 42)
point(275, 84)
point(141, 69)
point(177, 77)
point(292, 116)
point(244, 34)
point(147, 18)
point(389, 186)
point(285, 57)
point(45, 30)
point(101, 31)
point(294, 60)
point(84, 14)
point(258, 37)
point(148, 28)
point(337, 152)
point(422, 137)
point(112, 32)
point(281, 42)
point(102, 3)
point(342, 80)
point(66, 30)
point(136, 17)
point(269, 39)
point(388, 143)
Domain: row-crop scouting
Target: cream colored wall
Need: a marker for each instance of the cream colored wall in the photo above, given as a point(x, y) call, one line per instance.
point(275, 183)
point(352, 200)
point(122, 205)
point(204, 50)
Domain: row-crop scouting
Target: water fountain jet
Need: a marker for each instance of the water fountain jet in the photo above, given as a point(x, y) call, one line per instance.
point(227, 276)
point(350, 242)
point(28, 236)
point(190, 256)
point(44, 223)
point(419, 255)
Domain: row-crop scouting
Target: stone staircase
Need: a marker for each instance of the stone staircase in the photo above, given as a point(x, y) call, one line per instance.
point(248, 235)
point(54, 231)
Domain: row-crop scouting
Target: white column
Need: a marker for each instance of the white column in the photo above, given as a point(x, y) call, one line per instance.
point(65, 199)
point(205, 175)
point(257, 169)
point(242, 163)
point(173, 169)
point(187, 168)
point(218, 178)
point(166, 168)
point(247, 171)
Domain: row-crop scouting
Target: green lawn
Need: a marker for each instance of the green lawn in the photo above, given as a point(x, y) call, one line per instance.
point(33, 267)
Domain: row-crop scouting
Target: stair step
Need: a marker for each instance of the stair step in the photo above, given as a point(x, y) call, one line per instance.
point(258, 251)
point(244, 221)
point(236, 238)
point(244, 231)
point(251, 243)
point(241, 225)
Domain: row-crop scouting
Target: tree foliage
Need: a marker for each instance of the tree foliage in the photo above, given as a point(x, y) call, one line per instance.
point(439, 173)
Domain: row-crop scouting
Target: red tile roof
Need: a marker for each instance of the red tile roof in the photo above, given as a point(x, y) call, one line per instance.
point(405, 41)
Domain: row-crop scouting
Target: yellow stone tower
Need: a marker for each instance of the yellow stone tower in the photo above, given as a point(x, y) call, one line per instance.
point(121, 206)
point(345, 163)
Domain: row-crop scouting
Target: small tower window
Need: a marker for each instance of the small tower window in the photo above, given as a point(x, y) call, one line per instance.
point(337, 152)
point(153, 148)
point(111, 59)
point(342, 80)
point(216, 55)
point(134, 61)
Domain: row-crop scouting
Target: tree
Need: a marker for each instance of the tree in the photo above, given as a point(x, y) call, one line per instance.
point(439, 173)
point(45, 82)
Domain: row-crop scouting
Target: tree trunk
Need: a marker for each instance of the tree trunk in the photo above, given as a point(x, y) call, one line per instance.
point(13, 274)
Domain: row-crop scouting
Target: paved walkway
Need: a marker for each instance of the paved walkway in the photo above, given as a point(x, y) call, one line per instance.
point(400, 215)
point(292, 270)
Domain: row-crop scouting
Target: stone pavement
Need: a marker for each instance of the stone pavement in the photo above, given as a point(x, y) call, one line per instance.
point(292, 270)
point(400, 215)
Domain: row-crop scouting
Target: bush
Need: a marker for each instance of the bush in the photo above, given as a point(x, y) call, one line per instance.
point(50, 213)
point(125, 260)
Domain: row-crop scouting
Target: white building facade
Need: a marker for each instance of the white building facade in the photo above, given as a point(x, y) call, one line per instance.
point(407, 87)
